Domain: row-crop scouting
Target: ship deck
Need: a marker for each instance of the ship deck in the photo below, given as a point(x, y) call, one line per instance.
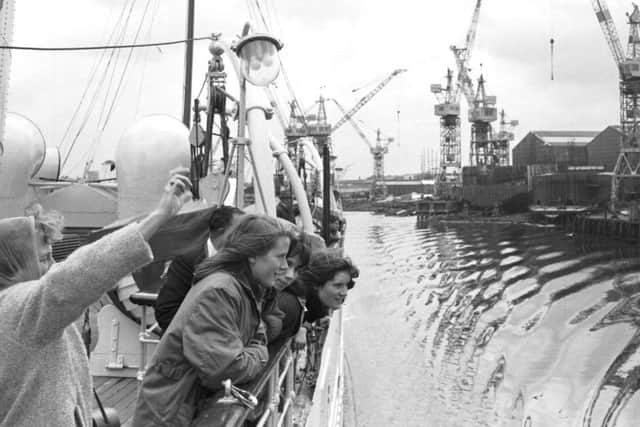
point(118, 393)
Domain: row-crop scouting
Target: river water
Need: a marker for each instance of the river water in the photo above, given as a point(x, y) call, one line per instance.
point(490, 325)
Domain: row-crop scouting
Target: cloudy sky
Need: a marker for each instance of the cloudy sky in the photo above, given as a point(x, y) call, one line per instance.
point(331, 47)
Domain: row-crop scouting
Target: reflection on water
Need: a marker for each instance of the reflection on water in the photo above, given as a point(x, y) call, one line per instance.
point(491, 325)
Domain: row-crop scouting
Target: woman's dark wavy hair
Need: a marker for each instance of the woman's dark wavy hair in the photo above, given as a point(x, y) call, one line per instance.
point(254, 235)
point(323, 266)
point(300, 248)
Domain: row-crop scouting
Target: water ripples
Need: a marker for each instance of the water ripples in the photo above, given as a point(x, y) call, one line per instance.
point(491, 325)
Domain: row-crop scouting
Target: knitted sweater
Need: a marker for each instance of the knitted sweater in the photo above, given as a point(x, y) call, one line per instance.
point(44, 370)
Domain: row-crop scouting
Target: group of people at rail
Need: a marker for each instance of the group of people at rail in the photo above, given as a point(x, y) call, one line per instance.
point(219, 310)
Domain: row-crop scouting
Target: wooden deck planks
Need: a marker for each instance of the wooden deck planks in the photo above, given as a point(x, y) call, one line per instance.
point(118, 393)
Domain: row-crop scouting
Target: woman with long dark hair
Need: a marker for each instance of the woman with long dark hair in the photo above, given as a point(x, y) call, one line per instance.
point(217, 333)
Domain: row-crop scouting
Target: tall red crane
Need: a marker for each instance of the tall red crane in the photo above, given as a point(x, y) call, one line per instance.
point(628, 163)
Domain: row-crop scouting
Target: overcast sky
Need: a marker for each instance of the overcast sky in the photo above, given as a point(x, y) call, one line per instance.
point(331, 46)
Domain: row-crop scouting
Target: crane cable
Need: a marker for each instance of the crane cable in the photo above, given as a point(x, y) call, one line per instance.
point(551, 39)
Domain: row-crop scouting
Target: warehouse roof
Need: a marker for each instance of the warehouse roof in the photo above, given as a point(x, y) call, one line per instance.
point(565, 137)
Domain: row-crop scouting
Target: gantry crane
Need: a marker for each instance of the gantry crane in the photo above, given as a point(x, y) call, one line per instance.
point(448, 109)
point(628, 163)
point(378, 151)
point(485, 149)
point(448, 181)
point(504, 137)
point(481, 114)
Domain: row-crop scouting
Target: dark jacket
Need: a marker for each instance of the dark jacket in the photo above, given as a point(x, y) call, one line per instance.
point(293, 307)
point(315, 308)
point(271, 314)
point(211, 338)
point(176, 286)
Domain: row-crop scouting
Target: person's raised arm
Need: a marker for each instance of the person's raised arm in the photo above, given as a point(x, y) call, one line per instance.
point(47, 306)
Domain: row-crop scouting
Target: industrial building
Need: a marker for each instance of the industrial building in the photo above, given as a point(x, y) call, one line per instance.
point(604, 149)
point(553, 147)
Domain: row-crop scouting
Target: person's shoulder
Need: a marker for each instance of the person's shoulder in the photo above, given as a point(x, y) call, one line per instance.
point(286, 297)
point(17, 293)
point(219, 281)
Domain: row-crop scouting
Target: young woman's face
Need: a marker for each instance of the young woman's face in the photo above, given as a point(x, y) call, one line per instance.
point(267, 267)
point(286, 277)
point(333, 293)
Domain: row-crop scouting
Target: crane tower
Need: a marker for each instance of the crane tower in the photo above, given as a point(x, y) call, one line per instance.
point(448, 109)
point(628, 163)
point(377, 150)
point(505, 136)
point(448, 182)
point(484, 151)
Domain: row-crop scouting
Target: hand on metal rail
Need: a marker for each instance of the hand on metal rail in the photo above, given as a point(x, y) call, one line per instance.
point(233, 394)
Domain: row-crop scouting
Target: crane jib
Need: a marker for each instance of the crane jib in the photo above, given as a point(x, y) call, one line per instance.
point(603, 15)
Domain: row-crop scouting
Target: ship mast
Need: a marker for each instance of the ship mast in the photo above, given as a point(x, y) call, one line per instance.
point(188, 65)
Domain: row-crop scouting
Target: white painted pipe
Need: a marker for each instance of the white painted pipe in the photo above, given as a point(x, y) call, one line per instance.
point(262, 159)
point(296, 184)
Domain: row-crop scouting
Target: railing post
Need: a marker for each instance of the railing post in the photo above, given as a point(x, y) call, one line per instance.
point(143, 345)
point(289, 392)
point(269, 416)
point(273, 396)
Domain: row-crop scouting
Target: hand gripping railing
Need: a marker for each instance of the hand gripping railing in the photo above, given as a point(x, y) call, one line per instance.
point(237, 404)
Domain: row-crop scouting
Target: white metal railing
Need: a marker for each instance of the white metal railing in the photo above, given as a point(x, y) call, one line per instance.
point(327, 399)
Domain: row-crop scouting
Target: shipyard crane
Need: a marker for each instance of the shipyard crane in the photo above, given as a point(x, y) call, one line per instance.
point(317, 126)
point(462, 55)
point(481, 114)
point(504, 138)
point(377, 150)
point(361, 103)
point(320, 130)
point(448, 109)
point(628, 163)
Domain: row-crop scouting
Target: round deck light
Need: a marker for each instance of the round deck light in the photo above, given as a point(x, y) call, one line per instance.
point(258, 55)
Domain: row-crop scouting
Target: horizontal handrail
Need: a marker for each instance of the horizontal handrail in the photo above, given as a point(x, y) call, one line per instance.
point(235, 415)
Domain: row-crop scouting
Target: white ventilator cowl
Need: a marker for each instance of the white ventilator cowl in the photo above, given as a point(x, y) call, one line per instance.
point(146, 153)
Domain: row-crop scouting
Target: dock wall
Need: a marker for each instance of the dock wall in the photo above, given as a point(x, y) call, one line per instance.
point(609, 227)
point(487, 196)
point(579, 188)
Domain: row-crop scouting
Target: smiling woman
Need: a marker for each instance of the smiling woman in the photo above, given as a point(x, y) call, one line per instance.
point(217, 333)
point(327, 278)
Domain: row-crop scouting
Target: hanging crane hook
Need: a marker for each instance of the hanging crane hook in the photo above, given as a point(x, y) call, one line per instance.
point(551, 43)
